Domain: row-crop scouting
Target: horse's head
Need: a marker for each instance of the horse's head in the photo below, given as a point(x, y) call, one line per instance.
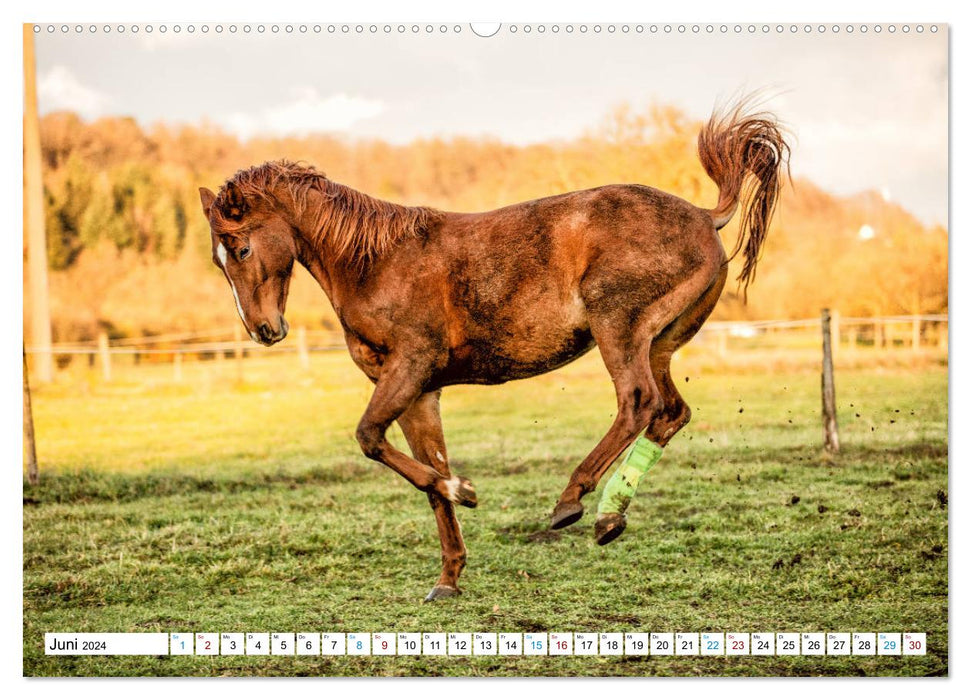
point(254, 247)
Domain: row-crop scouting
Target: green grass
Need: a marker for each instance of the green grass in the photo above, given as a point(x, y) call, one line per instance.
point(212, 506)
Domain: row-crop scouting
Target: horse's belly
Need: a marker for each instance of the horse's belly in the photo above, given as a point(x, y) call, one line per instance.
point(515, 326)
point(516, 356)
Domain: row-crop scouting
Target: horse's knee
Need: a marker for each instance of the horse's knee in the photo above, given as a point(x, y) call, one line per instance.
point(370, 437)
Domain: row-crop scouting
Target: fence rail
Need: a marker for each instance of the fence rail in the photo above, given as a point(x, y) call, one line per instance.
point(803, 335)
point(177, 344)
point(814, 322)
point(723, 338)
point(915, 331)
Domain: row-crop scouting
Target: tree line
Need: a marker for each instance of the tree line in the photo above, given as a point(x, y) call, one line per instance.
point(129, 248)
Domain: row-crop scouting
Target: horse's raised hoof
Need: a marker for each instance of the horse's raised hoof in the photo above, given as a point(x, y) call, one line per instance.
point(462, 492)
point(566, 514)
point(609, 527)
point(440, 591)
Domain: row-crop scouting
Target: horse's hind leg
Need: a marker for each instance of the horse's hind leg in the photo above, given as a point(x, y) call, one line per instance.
point(422, 426)
point(638, 401)
point(627, 352)
point(676, 413)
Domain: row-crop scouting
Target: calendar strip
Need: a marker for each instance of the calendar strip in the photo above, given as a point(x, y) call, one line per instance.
point(487, 644)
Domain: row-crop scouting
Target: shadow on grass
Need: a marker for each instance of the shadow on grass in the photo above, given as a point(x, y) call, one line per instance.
point(89, 486)
point(849, 454)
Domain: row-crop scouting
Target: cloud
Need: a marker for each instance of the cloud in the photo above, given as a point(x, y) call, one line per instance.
point(306, 113)
point(59, 89)
point(168, 40)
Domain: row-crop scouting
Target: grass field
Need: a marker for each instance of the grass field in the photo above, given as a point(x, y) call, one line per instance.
point(214, 506)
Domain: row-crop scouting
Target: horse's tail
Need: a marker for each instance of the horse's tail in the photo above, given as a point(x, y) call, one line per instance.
point(733, 144)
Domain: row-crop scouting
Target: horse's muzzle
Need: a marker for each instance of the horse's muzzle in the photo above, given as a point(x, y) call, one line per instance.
point(267, 335)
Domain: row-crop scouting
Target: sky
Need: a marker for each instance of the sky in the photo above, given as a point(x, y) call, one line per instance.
point(868, 111)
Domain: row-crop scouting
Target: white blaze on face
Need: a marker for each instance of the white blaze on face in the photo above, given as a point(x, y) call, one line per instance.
point(222, 256)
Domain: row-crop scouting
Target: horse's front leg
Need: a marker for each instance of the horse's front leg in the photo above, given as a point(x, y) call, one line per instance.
point(422, 426)
point(399, 386)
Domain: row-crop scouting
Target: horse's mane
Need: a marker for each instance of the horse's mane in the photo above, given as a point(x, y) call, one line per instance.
point(356, 227)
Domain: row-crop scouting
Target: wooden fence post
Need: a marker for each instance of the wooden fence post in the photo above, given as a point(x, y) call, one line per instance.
point(177, 365)
point(915, 334)
point(105, 356)
point(36, 282)
point(831, 440)
point(238, 352)
point(33, 476)
point(302, 349)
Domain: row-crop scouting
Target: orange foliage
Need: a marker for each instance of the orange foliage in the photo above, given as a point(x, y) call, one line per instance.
point(131, 247)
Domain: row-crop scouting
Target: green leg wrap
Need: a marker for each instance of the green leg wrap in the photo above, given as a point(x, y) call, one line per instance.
point(618, 492)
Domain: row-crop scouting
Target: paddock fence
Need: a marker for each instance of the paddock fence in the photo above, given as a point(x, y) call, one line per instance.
point(720, 341)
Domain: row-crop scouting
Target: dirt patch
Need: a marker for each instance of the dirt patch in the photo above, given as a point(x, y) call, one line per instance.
point(881, 484)
point(781, 563)
point(624, 619)
point(530, 625)
point(531, 532)
point(544, 536)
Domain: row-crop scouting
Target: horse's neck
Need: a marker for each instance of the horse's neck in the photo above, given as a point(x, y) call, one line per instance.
point(317, 257)
point(316, 249)
point(320, 268)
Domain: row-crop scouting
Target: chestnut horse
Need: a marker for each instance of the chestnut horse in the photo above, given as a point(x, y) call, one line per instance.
point(429, 298)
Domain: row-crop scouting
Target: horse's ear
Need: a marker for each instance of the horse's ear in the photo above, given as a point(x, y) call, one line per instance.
point(208, 197)
point(234, 205)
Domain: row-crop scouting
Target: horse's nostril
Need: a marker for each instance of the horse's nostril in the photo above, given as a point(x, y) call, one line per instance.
point(265, 332)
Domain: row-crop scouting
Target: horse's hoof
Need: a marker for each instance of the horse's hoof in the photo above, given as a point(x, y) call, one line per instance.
point(609, 527)
point(566, 514)
point(441, 591)
point(462, 492)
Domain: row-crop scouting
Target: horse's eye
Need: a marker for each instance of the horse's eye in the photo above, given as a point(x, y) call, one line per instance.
point(243, 253)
